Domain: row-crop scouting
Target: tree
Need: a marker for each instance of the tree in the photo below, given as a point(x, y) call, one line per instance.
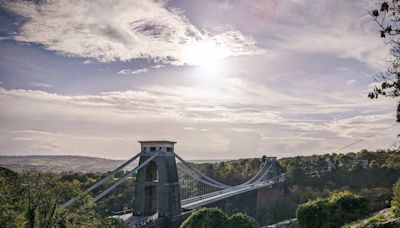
point(206, 218)
point(295, 173)
point(215, 218)
point(242, 220)
point(346, 206)
point(11, 213)
point(32, 200)
point(333, 211)
point(395, 203)
point(312, 214)
point(388, 83)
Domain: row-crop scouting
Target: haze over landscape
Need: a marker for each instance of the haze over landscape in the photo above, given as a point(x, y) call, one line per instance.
point(225, 79)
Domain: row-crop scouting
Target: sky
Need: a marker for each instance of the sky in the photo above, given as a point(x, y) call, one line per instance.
point(225, 79)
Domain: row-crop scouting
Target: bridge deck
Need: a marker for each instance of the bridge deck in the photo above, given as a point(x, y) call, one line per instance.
point(199, 201)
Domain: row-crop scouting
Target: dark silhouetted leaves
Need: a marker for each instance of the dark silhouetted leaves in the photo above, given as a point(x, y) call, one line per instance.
point(389, 80)
point(385, 7)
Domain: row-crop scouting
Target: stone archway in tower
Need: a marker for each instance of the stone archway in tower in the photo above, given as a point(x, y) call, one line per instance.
point(151, 191)
point(152, 172)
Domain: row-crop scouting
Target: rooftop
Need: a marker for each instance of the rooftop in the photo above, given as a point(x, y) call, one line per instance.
point(157, 141)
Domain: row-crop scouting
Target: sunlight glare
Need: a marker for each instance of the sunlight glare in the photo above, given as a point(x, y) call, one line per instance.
point(207, 56)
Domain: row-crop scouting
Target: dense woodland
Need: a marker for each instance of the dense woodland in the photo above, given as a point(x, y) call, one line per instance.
point(31, 198)
point(369, 174)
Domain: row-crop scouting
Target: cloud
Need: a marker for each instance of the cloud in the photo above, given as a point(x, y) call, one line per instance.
point(305, 95)
point(138, 71)
point(121, 30)
point(350, 82)
point(340, 28)
point(88, 61)
point(216, 117)
point(343, 29)
point(43, 85)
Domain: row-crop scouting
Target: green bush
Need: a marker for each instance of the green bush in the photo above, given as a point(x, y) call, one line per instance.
point(215, 218)
point(242, 220)
point(395, 203)
point(312, 214)
point(206, 218)
point(334, 211)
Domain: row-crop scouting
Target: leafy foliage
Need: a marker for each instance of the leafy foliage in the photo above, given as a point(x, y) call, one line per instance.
point(206, 218)
point(242, 220)
point(312, 213)
point(333, 211)
point(388, 18)
point(396, 199)
point(308, 177)
point(367, 173)
point(120, 199)
point(32, 199)
point(232, 172)
point(11, 214)
point(215, 218)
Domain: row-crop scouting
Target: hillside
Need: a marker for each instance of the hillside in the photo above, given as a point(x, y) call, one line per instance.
point(368, 173)
point(383, 218)
point(49, 163)
point(59, 163)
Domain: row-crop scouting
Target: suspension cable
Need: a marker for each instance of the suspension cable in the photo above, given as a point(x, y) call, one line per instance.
point(202, 181)
point(257, 174)
point(265, 174)
point(215, 181)
point(122, 179)
point(199, 173)
point(100, 182)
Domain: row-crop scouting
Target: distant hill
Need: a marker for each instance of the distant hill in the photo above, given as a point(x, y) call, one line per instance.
point(55, 163)
point(59, 163)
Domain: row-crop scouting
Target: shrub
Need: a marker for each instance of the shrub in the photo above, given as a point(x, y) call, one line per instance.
point(334, 211)
point(206, 218)
point(395, 203)
point(242, 220)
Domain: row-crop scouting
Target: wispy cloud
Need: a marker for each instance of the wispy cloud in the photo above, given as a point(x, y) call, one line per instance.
point(303, 126)
point(339, 28)
point(344, 29)
point(121, 30)
point(137, 71)
point(350, 82)
point(306, 94)
point(88, 61)
point(42, 85)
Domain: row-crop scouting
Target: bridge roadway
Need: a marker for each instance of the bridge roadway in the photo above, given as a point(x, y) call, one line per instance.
point(195, 202)
point(194, 179)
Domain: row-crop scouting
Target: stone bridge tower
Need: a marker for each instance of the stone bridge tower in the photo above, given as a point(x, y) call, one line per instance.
point(157, 185)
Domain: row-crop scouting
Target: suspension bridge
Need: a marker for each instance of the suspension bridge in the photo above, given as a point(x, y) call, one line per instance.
point(167, 188)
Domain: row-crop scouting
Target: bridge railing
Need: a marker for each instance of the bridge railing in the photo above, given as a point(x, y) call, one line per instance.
point(199, 189)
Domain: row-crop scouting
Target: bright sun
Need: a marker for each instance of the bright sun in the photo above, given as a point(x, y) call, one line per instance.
point(206, 54)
